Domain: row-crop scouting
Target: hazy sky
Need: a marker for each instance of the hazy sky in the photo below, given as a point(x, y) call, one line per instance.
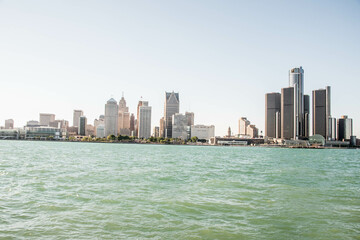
point(221, 56)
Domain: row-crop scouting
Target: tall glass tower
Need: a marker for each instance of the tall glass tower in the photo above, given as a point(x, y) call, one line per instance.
point(296, 80)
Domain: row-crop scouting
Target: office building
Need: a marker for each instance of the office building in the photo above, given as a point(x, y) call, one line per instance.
point(76, 117)
point(172, 106)
point(9, 124)
point(272, 115)
point(144, 120)
point(82, 126)
point(243, 124)
point(132, 124)
point(190, 118)
point(252, 131)
point(123, 118)
point(100, 131)
point(46, 119)
point(32, 123)
point(203, 132)
point(322, 123)
point(287, 113)
point(162, 127)
point(156, 132)
point(97, 122)
point(345, 128)
point(111, 117)
point(179, 126)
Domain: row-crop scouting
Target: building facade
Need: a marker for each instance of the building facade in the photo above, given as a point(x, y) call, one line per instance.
point(172, 106)
point(46, 119)
point(345, 128)
point(203, 132)
point(9, 124)
point(82, 126)
point(179, 126)
point(243, 124)
point(321, 116)
point(190, 118)
point(287, 113)
point(272, 115)
point(76, 117)
point(123, 118)
point(144, 120)
point(111, 117)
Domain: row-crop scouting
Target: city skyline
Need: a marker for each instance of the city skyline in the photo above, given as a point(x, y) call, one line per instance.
point(217, 59)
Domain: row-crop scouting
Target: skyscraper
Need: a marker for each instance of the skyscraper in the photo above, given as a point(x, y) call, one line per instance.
point(123, 118)
point(144, 120)
point(76, 117)
point(172, 105)
point(243, 124)
point(190, 118)
point(345, 128)
point(272, 115)
point(322, 123)
point(82, 126)
point(132, 124)
point(162, 127)
point(111, 117)
point(287, 113)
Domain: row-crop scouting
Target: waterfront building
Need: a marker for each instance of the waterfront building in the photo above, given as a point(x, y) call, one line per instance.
point(111, 117)
point(9, 124)
point(144, 120)
point(32, 123)
point(162, 127)
point(123, 118)
point(272, 115)
point(97, 122)
point(132, 124)
point(46, 119)
point(156, 132)
point(43, 132)
point(243, 124)
point(76, 117)
point(172, 106)
point(100, 131)
point(179, 126)
point(202, 131)
point(190, 118)
point(90, 130)
point(82, 126)
point(229, 132)
point(322, 122)
point(252, 131)
point(287, 113)
point(345, 128)
point(62, 124)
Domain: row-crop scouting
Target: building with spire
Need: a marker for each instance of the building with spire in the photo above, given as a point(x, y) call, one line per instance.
point(123, 118)
point(172, 106)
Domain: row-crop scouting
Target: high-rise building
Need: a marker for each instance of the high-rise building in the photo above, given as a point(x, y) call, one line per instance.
point(296, 81)
point(322, 123)
point(172, 106)
point(144, 120)
point(123, 118)
point(252, 131)
point(156, 132)
point(100, 131)
point(46, 119)
point(9, 124)
point(190, 118)
point(229, 132)
point(287, 113)
point(162, 127)
point(111, 117)
point(243, 124)
point(179, 126)
point(345, 128)
point(272, 115)
point(76, 117)
point(82, 126)
point(97, 122)
point(132, 125)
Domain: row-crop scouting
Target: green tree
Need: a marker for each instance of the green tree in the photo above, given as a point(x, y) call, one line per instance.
point(194, 139)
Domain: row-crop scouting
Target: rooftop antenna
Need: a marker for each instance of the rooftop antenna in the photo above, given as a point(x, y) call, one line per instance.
point(122, 94)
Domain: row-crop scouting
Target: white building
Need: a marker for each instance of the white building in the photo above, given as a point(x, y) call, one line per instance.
point(111, 118)
point(202, 131)
point(252, 131)
point(243, 124)
point(76, 117)
point(144, 120)
point(100, 131)
point(180, 126)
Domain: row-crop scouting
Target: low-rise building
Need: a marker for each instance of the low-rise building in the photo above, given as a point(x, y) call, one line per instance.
point(202, 131)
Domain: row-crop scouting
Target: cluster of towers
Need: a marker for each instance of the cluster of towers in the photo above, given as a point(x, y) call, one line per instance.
point(287, 114)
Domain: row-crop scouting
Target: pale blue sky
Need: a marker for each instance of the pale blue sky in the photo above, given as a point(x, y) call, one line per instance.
point(222, 56)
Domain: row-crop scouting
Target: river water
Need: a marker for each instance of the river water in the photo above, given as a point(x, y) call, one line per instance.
point(63, 190)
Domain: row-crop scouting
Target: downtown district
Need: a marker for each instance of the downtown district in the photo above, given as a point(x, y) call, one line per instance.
point(287, 118)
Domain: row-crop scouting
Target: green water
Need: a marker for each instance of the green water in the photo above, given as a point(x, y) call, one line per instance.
point(54, 190)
